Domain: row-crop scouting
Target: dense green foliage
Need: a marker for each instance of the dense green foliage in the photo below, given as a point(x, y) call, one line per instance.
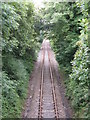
point(19, 47)
point(65, 24)
point(79, 78)
point(68, 31)
point(65, 31)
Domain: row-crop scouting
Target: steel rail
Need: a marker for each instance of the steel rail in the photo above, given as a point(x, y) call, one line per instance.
point(53, 88)
point(41, 85)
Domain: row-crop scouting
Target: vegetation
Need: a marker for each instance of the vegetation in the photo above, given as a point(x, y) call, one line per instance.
point(19, 47)
point(68, 32)
point(65, 24)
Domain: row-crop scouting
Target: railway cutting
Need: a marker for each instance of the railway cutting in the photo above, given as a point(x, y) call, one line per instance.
point(46, 98)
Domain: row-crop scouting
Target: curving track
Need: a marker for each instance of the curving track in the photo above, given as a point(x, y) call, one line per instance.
point(45, 99)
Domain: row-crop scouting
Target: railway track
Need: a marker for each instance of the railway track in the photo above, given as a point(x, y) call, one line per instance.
point(45, 99)
point(54, 105)
point(41, 86)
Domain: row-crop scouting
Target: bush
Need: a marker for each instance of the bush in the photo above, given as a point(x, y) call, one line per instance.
point(15, 83)
point(11, 104)
point(79, 81)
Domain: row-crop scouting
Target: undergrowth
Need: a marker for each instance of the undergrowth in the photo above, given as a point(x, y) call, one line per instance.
point(15, 80)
